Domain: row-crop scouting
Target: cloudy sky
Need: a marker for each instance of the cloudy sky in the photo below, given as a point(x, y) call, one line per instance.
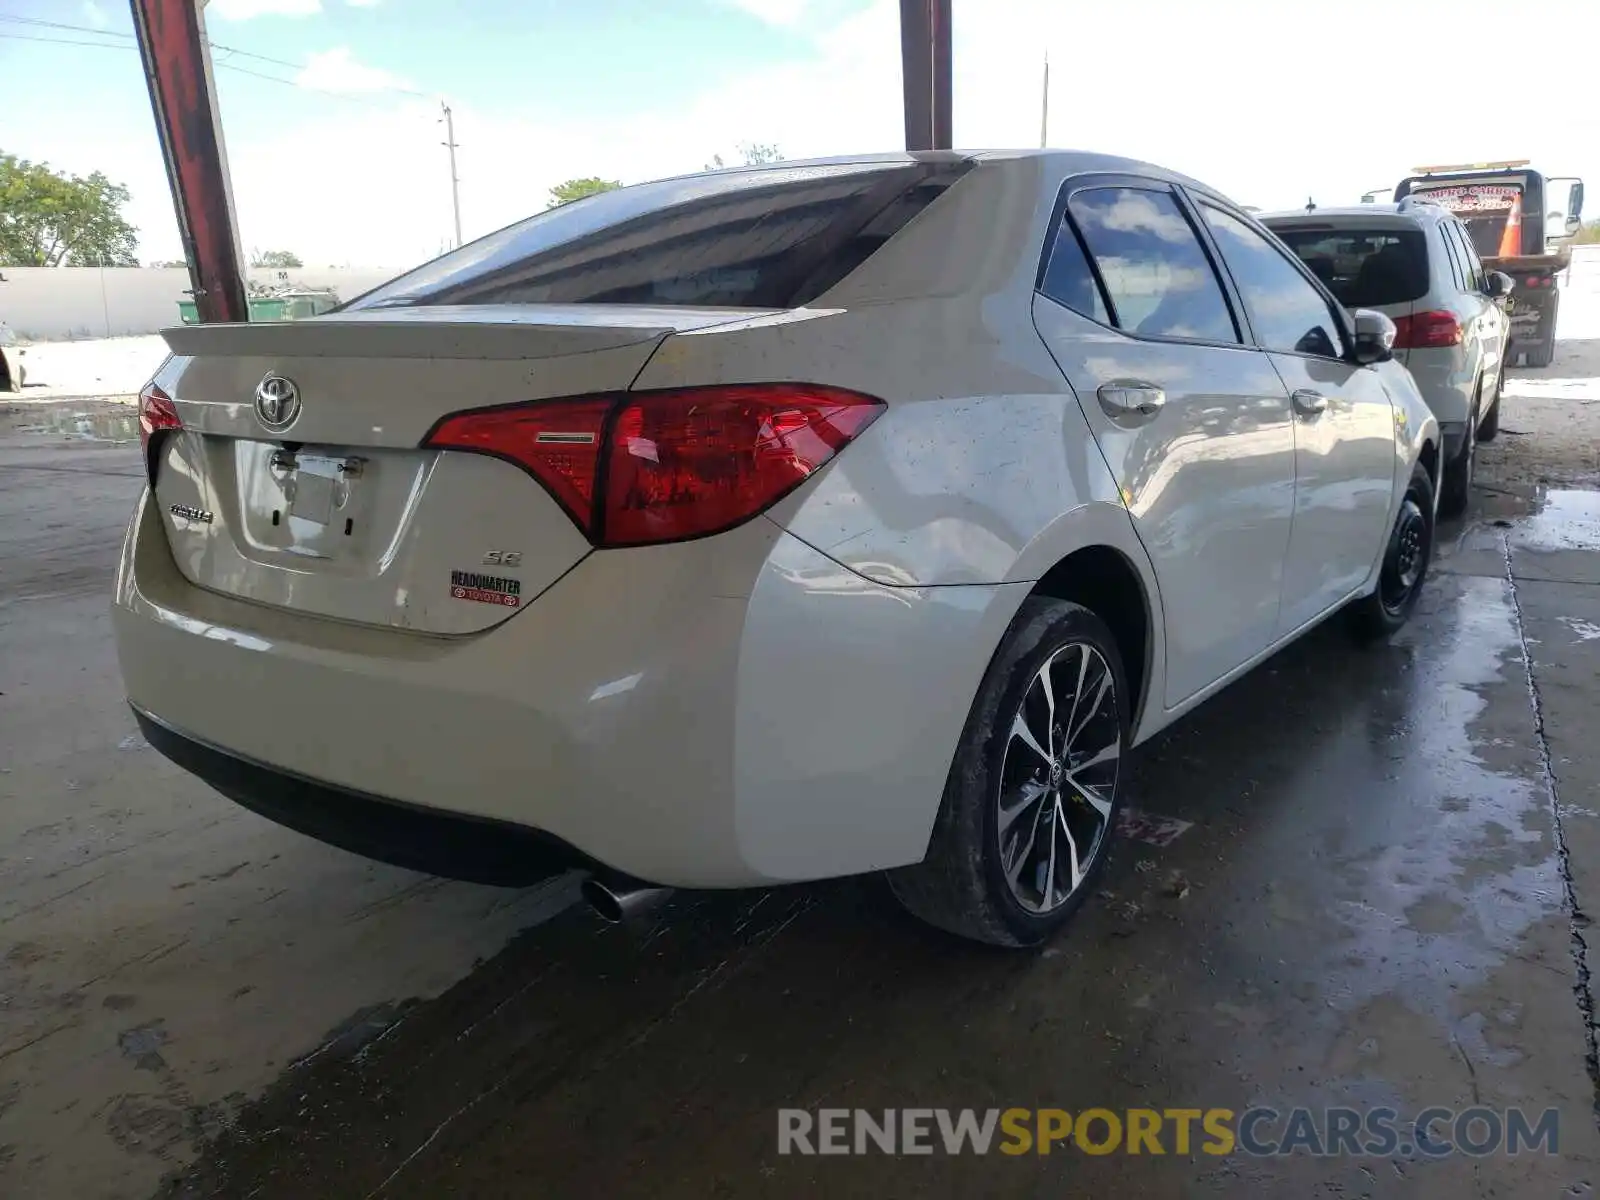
point(331, 107)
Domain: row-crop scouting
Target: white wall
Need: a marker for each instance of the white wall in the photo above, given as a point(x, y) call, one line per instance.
point(48, 304)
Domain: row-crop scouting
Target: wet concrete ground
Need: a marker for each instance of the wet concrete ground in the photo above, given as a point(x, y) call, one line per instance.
point(1379, 901)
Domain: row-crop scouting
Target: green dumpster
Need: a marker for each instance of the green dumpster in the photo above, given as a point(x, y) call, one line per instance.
point(270, 308)
point(308, 304)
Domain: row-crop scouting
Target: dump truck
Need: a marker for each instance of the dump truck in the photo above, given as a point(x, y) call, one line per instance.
point(1521, 222)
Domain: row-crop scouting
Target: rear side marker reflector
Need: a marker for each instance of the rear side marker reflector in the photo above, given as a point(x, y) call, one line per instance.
point(639, 468)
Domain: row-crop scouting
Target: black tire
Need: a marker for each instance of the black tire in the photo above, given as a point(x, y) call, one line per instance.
point(1542, 354)
point(962, 886)
point(1457, 490)
point(1410, 548)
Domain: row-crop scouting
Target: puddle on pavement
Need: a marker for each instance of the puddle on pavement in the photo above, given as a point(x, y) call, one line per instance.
point(97, 427)
point(1565, 520)
point(1539, 519)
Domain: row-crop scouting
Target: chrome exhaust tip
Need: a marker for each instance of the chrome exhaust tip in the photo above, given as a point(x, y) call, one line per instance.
point(617, 898)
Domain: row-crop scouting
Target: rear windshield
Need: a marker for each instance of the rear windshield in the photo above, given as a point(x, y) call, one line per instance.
point(1487, 231)
point(1363, 268)
point(769, 238)
point(1483, 206)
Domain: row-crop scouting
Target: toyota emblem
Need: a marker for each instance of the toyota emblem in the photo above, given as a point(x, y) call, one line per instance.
point(277, 402)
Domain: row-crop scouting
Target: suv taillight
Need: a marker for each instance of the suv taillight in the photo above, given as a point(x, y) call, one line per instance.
point(1427, 331)
point(156, 413)
point(636, 468)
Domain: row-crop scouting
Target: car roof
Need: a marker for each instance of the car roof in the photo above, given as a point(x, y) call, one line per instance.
point(1066, 162)
point(1358, 214)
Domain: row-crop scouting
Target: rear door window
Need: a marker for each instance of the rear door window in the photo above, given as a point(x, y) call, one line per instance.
point(1363, 267)
point(1287, 312)
point(1069, 279)
point(1452, 251)
point(1471, 264)
point(1158, 280)
point(777, 237)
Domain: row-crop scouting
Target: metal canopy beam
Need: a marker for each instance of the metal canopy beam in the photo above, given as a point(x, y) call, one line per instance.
point(177, 68)
point(925, 73)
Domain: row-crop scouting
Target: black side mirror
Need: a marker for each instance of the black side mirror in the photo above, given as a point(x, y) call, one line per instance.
point(1374, 337)
point(1497, 284)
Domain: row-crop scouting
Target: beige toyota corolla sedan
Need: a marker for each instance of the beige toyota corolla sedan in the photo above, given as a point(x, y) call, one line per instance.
point(769, 525)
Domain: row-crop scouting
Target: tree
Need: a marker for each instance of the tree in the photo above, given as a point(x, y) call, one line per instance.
point(577, 189)
point(275, 258)
point(754, 154)
point(52, 219)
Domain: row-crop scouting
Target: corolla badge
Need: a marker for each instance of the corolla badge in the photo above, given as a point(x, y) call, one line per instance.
point(277, 402)
point(190, 513)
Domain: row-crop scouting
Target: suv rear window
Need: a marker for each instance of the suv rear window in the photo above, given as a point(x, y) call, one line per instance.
point(1365, 267)
point(771, 238)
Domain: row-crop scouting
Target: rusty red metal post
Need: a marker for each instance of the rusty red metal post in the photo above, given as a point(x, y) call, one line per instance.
point(925, 73)
point(177, 68)
point(943, 119)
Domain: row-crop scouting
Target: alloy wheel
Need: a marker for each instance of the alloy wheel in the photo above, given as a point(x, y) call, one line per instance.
point(1058, 778)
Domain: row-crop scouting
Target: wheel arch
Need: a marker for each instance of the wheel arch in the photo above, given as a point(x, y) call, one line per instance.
point(1092, 556)
point(1105, 581)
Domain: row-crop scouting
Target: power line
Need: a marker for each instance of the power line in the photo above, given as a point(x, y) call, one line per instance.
point(130, 44)
point(23, 37)
point(61, 25)
point(215, 46)
point(221, 66)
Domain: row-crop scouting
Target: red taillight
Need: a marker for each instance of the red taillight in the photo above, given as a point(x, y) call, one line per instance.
point(558, 443)
point(1427, 331)
point(1534, 281)
point(678, 463)
point(156, 412)
point(681, 464)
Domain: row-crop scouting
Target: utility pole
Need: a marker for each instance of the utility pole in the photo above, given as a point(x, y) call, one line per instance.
point(1044, 106)
point(455, 181)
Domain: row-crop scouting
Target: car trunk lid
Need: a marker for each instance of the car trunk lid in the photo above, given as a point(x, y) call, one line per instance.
point(338, 510)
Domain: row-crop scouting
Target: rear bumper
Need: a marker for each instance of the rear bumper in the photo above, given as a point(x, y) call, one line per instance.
point(1454, 436)
point(419, 839)
point(730, 712)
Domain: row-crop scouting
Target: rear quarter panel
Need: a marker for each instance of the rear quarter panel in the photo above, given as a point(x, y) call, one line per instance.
point(972, 474)
point(982, 470)
point(981, 450)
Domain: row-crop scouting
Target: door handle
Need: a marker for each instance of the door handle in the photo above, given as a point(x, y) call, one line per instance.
point(1130, 399)
point(1308, 402)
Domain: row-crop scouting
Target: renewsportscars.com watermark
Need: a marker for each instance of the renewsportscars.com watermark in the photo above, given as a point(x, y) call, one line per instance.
point(1260, 1132)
